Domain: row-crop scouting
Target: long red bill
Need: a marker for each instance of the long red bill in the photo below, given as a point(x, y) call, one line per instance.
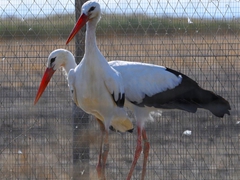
point(45, 80)
point(80, 23)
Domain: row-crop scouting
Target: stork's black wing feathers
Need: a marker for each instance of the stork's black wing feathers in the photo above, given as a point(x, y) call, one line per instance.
point(121, 99)
point(187, 96)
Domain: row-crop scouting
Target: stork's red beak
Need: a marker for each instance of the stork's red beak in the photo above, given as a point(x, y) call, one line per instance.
point(45, 80)
point(80, 23)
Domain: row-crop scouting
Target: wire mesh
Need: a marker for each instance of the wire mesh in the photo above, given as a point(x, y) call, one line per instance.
point(197, 38)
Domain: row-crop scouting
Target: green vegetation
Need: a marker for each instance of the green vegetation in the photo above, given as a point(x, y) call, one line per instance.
point(49, 27)
point(59, 26)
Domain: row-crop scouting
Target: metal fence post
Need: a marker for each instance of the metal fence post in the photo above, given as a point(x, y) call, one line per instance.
point(80, 118)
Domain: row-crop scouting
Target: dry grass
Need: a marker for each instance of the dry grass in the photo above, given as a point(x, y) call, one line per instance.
point(36, 141)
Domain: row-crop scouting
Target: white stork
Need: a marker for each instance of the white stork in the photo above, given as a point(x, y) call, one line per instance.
point(64, 58)
point(147, 87)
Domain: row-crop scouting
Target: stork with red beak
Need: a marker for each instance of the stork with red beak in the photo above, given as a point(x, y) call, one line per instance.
point(146, 87)
point(120, 122)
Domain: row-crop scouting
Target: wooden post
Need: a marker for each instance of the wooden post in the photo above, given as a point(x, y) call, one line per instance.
point(80, 118)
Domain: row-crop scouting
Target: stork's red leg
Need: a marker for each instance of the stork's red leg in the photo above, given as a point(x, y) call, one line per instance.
point(105, 153)
point(99, 165)
point(145, 152)
point(137, 152)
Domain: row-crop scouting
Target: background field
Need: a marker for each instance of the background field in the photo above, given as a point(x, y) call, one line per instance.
point(36, 141)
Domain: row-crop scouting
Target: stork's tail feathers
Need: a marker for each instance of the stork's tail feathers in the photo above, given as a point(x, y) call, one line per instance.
point(200, 98)
point(213, 102)
point(189, 96)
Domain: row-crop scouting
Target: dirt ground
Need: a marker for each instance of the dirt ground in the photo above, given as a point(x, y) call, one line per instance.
point(36, 142)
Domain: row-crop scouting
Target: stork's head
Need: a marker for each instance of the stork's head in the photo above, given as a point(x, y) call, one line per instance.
point(91, 11)
point(57, 58)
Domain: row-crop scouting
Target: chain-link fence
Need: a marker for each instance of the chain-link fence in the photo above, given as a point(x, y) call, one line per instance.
point(198, 38)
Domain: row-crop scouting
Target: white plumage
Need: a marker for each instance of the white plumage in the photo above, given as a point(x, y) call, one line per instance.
point(134, 80)
point(142, 79)
point(87, 93)
point(147, 87)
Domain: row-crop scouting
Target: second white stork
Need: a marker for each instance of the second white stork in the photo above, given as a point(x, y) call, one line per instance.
point(64, 58)
point(147, 87)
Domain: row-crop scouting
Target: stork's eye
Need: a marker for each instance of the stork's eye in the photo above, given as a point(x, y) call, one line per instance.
point(91, 9)
point(52, 61)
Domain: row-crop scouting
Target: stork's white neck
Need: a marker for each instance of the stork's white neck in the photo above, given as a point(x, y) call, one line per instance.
point(70, 63)
point(92, 54)
point(90, 40)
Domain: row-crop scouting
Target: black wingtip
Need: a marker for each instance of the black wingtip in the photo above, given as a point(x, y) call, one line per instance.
point(131, 130)
point(219, 106)
point(113, 129)
point(121, 99)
